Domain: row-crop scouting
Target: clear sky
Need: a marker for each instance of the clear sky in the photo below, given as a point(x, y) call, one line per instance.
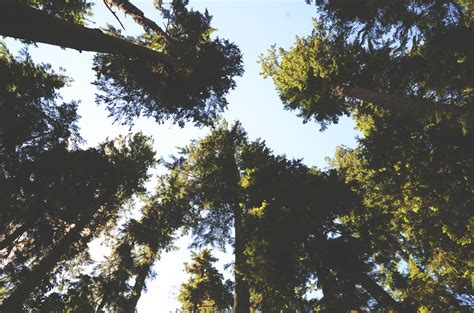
point(254, 26)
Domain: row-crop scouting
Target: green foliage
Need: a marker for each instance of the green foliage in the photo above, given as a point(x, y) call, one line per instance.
point(70, 10)
point(208, 175)
point(193, 89)
point(417, 192)
point(419, 51)
point(205, 290)
point(403, 71)
point(55, 197)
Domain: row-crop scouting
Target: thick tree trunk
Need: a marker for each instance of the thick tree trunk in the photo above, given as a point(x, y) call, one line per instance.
point(35, 276)
point(383, 100)
point(406, 106)
point(139, 17)
point(242, 292)
point(20, 21)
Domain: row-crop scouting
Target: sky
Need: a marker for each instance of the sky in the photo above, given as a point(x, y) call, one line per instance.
point(254, 26)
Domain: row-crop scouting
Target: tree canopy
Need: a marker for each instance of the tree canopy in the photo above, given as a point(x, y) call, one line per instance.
point(402, 71)
point(387, 226)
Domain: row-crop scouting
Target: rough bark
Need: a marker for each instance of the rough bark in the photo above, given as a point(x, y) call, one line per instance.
point(20, 21)
point(138, 16)
point(242, 289)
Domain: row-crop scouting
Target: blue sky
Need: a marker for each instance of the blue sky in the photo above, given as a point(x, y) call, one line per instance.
point(254, 26)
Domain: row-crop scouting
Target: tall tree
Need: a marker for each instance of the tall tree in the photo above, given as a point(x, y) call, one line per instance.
point(138, 246)
point(403, 71)
point(286, 215)
point(55, 197)
point(210, 174)
point(77, 210)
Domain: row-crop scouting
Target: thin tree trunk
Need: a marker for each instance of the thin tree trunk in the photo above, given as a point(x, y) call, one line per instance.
point(9, 239)
point(139, 17)
point(242, 289)
point(23, 22)
point(30, 221)
point(377, 292)
point(35, 276)
point(242, 292)
point(138, 287)
point(395, 245)
point(339, 260)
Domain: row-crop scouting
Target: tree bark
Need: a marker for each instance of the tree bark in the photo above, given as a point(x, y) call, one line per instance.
point(139, 17)
point(20, 21)
point(9, 239)
point(138, 288)
point(406, 106)
point(242, 292)
point(36, 275)
point(338, 260)
point(375, 290)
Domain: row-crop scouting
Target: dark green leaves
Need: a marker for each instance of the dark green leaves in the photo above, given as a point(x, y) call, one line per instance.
point(192, 87)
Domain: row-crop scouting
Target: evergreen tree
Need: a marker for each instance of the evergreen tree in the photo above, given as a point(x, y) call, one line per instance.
point(403, 72)
point(181, 74)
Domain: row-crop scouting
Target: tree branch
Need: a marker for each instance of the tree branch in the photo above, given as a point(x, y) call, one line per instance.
point(20, 21)
point(406, 106)
point(139, 17)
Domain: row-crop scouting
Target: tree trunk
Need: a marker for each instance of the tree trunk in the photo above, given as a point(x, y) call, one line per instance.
point(377, 292)
point(9, 239)
point(23, 22)
point(138, 288)
point(406, 106)
point(448, 297)
point(29, 223)
point(35, 276)
point(335, 256)
point(242, 292)
point(139, 17)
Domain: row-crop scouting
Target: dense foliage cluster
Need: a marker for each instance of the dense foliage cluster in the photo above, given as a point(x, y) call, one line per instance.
point(193, 88)
point(205, 290)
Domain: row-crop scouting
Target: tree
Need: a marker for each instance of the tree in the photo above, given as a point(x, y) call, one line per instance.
point(55, 196)
point(205, 290)
point(181, 74)
point(137, 247)
point(412, 166)
point(294, 237)
point(209, 173)
point(86, 212)
point(353, 59)
point(284, 215)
